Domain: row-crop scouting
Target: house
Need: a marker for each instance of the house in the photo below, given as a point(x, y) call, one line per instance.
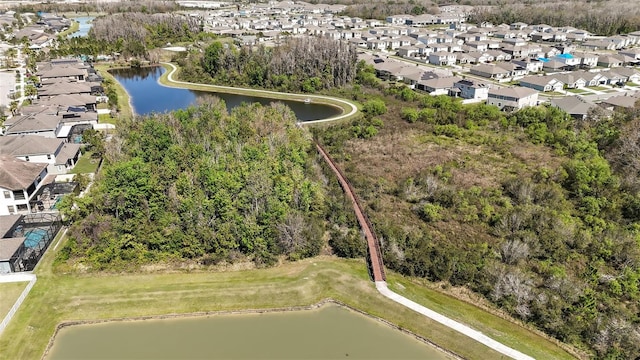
point(472, 89)
point(571, 80)
point(594, 78)
point(576, 106)
point(588, 60)
point(553, 66)
point(438, 86)
point(60, 156)
point(515, 70)
point(609, 61)
point(567, 59)
point(631, 74)
point(490, 71)
point(442, 58)
point(512, 98)
point(632, 53)
point(532, 65)
point(542, 83)
point(620, 102)
point(19, 181)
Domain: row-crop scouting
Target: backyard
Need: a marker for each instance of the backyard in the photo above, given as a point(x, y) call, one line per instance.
point(9, 293)
point(86, 164)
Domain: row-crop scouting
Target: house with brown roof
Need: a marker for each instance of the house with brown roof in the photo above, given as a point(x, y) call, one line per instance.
point(19, 181)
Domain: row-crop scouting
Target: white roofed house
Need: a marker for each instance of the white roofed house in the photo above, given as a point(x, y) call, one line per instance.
point(19, 182)
point(59, 155)
point(513, 98)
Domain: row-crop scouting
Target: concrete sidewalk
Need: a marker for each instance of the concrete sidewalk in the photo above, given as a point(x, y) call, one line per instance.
point(450, 323)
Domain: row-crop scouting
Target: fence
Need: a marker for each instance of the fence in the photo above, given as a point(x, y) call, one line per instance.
point(17, 304)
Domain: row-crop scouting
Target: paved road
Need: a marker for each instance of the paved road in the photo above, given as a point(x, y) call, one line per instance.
point(265, 93)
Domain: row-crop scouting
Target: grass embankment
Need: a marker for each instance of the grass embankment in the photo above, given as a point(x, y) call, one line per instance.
point(9, 293)
point(105, 296)
point(164, 80)
point(124, 102)
point(517, 337)
point(75, 26)
point(86, 164)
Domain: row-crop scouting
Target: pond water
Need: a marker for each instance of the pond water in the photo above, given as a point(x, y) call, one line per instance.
point(331, 332)
point(148, 96)
point(85, 26)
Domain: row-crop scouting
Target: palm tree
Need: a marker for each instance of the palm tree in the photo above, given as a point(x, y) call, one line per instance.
point(10, 54)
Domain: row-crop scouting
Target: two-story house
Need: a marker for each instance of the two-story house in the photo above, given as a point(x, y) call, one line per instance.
point(513, 98)
point(19, 181)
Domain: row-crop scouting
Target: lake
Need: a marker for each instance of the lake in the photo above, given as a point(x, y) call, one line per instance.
point(148, 96)
point(85, 26)
point(331, 332)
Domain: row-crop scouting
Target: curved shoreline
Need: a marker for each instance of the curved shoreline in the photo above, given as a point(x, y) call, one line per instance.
point(315, 306)
point(349, 108)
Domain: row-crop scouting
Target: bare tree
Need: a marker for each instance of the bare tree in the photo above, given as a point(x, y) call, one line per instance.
point(290, 233)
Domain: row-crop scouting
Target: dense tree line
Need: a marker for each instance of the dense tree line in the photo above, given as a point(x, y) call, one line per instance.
point(533, 210)
point(149, 30)
point(145, 6)
point(202, 185)
point(381, 9)
point(307, 64)
point(600, 18)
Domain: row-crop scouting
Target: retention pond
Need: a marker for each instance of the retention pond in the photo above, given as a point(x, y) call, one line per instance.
point(331, 332)
point(149, 96)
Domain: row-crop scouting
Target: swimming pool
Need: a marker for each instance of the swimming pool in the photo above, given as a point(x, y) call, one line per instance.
point(34, 237)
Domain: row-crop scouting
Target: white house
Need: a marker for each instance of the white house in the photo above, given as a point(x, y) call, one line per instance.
point(472, 89)
point(514, 98)
point(19, 181)
point(442, 58)
point(60, 156)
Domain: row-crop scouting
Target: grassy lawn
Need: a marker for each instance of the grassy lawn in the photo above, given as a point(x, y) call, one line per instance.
point(597, 88)
point(107, 119)
point(251, 92)
point(86, 164)
point(124, 102)
point(9, 293)
point(517, 337)
point(105, 296)
point(75, 26)
point(577, 91)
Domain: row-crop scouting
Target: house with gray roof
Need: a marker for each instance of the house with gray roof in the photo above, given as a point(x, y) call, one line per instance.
point(59, 155)
point(512, 98)
point(19, 182)
point(576, 106)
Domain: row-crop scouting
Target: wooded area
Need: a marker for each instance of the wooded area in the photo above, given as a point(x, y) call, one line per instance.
point(534, 210)
point(598, 17)
point(306, 64)
point(201, 185)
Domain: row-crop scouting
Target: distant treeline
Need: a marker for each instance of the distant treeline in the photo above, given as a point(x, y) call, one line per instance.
point(307, 64)
point(147, 6)
point(595, 17)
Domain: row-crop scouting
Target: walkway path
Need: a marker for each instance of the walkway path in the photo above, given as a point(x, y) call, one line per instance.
point(373, 245)
point(265, 93)
point(377, 272)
